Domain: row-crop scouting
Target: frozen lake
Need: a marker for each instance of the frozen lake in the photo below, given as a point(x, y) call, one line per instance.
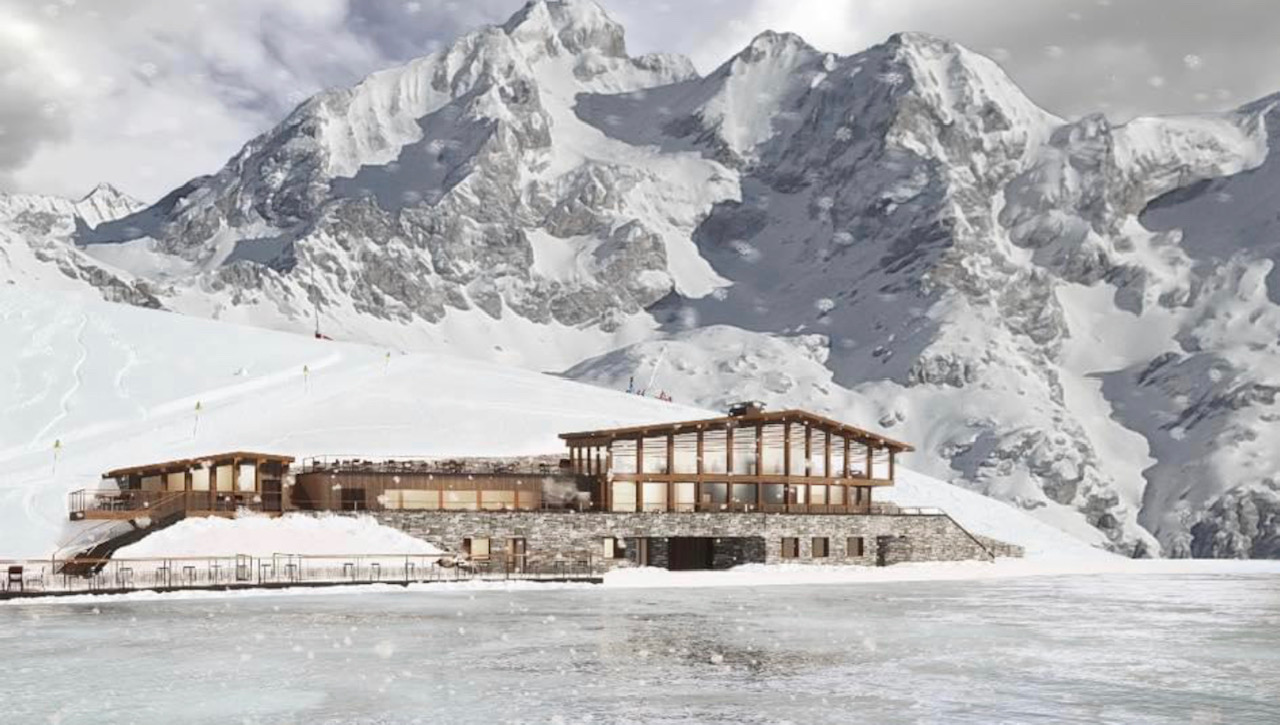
point(1086, 649)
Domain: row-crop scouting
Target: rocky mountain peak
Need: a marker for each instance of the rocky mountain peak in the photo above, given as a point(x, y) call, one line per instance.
point(577, 26)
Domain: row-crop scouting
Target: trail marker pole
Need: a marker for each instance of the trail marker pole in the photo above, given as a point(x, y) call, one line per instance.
point(57, 450)
point(196, 427)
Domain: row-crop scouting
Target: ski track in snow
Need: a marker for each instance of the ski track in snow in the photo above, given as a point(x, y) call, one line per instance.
point(77, 380)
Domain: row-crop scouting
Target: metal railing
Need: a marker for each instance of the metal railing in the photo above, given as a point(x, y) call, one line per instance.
point(50, 576)
point(533, 465)
point(130, 503)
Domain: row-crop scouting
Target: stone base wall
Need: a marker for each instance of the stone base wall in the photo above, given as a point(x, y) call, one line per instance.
point(744, 537)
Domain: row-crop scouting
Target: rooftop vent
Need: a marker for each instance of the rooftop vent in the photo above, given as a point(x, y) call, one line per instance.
point(750, 407)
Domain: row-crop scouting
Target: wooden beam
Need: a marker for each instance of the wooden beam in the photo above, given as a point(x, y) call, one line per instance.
point(700, 452)
point(671, 453)
point(846, 456)
point(808, 449)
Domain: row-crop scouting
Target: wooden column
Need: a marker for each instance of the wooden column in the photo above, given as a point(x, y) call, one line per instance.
point(639, 456)
point(700, 451)
point(846, 456)
point(808, 449)
point(869, 460)
point(892, 456)
point(671, 454)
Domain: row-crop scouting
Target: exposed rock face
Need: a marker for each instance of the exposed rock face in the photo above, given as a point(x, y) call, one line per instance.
point(1076, 317)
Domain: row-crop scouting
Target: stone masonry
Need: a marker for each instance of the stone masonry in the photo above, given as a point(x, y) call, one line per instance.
point(577, 538)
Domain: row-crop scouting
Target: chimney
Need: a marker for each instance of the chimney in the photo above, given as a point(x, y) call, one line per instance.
point(749, 407)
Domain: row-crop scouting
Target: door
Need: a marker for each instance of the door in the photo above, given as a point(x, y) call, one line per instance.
point(272, 496)
point(516, 556)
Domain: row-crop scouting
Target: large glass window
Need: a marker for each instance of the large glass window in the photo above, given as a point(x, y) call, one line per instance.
point(774, 494)
point(412, 499)
point(797, 449)
point(744, 451)
point(818, 457)
point(835, 495)
point(655, 497)
point(248, 477)
point(714, 452)
point(199, 479)
point(714, 495)
point(857, 459)
point(685, 496)
point(744, 494)
point(460, 501)
point(152, 483)
point(176, 481)
point(498, 500)
point(837, 456)
point(655, 455)
point(624, 456)
point(797, 493)
point(818, 495)
point(880, 464)
point(772, 450)
point(624, 496)
point(686, 455)
point(223, 476)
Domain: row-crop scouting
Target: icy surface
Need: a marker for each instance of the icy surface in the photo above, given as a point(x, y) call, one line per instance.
point(1118, 649)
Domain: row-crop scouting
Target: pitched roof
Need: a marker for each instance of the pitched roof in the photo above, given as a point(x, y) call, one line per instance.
point(182, 463)
point(731, 421)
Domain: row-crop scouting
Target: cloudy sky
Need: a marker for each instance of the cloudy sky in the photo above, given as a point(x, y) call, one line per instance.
point(148, 93)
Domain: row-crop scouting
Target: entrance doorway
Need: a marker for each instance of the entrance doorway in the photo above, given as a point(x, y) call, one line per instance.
point(689, 552)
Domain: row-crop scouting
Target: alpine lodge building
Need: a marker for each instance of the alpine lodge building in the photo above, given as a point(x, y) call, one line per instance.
point(753, 486)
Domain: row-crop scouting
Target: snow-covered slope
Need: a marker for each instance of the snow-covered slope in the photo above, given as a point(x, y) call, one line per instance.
point(116, 385)
point(1075, 317)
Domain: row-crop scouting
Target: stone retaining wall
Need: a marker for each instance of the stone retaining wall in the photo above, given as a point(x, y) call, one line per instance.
point(578, 537)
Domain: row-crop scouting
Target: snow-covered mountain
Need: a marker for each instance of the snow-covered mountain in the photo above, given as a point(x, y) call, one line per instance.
point(1076, 317)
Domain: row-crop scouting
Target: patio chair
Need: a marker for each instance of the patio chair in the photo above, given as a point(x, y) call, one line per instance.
point(15, 578)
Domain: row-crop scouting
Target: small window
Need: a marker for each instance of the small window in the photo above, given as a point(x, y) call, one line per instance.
point(476, 548)
point(790, 547)
point(614, 548)
point(820, 547)
point(855, 546)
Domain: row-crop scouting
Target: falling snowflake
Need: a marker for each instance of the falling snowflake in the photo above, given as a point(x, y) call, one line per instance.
point(824, 305)
point(1192, 61)
point(843, 239)
point(844, 133)
point(825, 203)
point(1156, 81)
point(746, 251)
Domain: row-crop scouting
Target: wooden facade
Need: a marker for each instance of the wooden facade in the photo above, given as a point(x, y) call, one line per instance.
point(218, 484)
point(788, 461)
point(422, 486)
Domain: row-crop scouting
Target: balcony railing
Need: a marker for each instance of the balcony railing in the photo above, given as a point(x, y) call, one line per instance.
point(133, 503)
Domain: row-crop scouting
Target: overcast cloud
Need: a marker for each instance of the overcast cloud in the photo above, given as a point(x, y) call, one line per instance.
point(148, 93)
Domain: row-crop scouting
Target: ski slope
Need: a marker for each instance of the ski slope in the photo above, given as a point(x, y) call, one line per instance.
point(90, 386)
